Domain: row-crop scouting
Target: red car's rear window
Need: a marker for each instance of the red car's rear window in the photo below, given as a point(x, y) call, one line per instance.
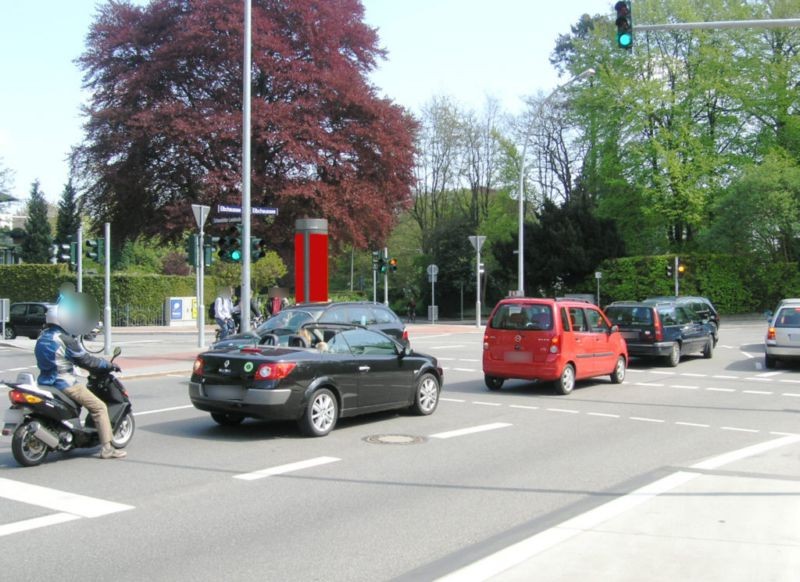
point(523, 316)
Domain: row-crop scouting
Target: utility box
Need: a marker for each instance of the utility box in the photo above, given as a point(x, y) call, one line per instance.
point(433, 313)
point(180, 311)
point(5, 306)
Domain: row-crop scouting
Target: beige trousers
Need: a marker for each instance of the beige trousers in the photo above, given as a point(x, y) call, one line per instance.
point(96, 407)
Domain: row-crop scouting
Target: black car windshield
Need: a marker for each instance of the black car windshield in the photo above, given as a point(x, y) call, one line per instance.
point(523, 316)
point(291, 319)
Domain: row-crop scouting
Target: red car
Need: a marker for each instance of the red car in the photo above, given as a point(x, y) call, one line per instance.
point(559, 340)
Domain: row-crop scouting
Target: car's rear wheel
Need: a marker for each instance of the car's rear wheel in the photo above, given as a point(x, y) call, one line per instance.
point(321, 414)
point(618, 375)
point(674, 357)
point(708, 350)
point(227, 419)
point(566, 382)
point(770, 362)
point(426, 397)
point(10, 333)
point(493, 382)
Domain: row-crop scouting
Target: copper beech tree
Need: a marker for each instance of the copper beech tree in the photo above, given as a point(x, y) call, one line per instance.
point(164, 119)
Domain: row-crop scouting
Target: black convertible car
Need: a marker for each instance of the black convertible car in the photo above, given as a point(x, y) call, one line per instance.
point(347, 370)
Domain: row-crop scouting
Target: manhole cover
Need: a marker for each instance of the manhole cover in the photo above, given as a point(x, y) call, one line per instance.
point(394, 439)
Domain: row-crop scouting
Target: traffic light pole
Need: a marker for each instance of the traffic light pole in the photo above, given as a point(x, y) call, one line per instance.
point(244, 299)
point(676, 275)
point(386, 277)
point(107, 302)
point(79, 260)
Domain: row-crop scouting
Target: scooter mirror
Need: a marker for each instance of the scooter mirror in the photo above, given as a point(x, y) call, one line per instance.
point(117, 351)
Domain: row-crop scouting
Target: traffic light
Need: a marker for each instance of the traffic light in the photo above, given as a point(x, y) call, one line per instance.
point(230, 246)
point(383, 266)
point(191, 251)
point(96, 250)
point(624, 24)
point(53, 253)
point(681, 269)
point(376, 259)
point(73, 254)
point(669, 270)
point(258, 248)
point(393, 265)
point(209, 244)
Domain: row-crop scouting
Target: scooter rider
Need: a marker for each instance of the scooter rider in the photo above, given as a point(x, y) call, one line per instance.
point(58, 352)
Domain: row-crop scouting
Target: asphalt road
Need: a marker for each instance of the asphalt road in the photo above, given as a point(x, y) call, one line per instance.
point(489, 469)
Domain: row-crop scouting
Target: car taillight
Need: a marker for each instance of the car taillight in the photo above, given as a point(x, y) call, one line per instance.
point(771, 333)
point(276, 371)
point(659, 329)
point(554, 344)
point(199, 364)
point(405, 336)
point(19, 397)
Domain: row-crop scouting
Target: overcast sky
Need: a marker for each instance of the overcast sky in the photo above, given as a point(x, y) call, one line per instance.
point(468, 49)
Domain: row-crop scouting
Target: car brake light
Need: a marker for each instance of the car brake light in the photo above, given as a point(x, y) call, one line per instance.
point(405, 335)
point(659, 329)
point(199, 364)
point(554, 344)
point(276, 371)
point(771, 333)
point(19, 397)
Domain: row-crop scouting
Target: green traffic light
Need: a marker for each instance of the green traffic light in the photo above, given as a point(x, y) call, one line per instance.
point(236, 255)
point(625, 40)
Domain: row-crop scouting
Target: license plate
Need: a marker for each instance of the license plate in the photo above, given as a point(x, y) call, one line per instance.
point(518, 357)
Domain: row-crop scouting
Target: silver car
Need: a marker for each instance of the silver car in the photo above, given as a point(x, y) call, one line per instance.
point(783, 335)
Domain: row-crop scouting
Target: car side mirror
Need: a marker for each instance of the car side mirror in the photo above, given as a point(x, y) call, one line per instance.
point(614, 328)
point(403, 351)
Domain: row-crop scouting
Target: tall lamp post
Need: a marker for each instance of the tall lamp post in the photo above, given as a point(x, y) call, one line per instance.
point(521, 187)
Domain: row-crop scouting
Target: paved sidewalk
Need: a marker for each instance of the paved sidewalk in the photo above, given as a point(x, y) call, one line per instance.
point(734, 518)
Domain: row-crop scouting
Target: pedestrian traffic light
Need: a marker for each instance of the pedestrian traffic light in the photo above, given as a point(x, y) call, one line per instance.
point(624, 24)
point(64, 252)
point(669, 270)
point(53, 253)
point(376, 259)
point(230, 246)
point(393, 265)
point(96, 249)
point(191, 250)
point(258, 248)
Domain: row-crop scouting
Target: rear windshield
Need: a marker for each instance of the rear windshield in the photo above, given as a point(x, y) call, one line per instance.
point(788, 317)
point(629, 315)
point(531, 317)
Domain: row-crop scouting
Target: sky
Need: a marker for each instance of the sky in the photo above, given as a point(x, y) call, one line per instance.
point(465, 49)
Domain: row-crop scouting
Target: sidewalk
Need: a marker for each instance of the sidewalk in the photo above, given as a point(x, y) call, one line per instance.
point(733, 517)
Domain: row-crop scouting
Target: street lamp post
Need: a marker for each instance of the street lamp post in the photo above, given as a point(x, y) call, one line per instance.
point(521, 187)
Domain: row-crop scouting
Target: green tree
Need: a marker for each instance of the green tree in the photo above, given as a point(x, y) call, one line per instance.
point(264, 273)
point(69, 216)
point(143, 255)
point(38, 235)
point(6, 183)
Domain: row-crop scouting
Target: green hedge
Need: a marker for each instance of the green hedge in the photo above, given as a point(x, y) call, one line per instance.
point(734, 283)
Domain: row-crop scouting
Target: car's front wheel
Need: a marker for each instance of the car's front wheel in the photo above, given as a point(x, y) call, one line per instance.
point(618, 375)
point(566, 382)
point(321, 414)
point(227, 419)
point(10, 333)
point(674, 357)
point(708, 350)
point(426, 397)
point(493, 382)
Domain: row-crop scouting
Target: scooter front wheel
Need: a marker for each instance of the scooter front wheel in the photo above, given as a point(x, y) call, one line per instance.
point(26, 448)
point(124, 432)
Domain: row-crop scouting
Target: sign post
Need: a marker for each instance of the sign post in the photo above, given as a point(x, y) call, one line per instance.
point(598, 275)
point(433, 271)
point(200, 215)
point(477, 242)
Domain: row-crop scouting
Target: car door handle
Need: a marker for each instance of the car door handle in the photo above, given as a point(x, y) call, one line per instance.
point(363, 368)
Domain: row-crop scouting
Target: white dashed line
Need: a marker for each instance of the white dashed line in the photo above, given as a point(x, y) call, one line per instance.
point(757, 392)
point(170, 409)
point(468, 360)
point(695, 424)
point(693, 375)
point(478, 402)
point(471, 430)
point(712, 389)
point(791, 394)
point(660, 372)
point(603, 414)
point(737, 429)
point(451, 399)
point(281, 469)
point(645, 419)
point(649, 384)
point(724, 377)
point(784, 433)
point(790, 381)
point(522, 406)
point(464, 370)
point(768, 374)
point(566, 410)
point(758, 379)
point(685, 387)
point(445, 347)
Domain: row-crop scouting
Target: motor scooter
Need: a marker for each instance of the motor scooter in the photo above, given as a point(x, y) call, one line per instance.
point(43, 419)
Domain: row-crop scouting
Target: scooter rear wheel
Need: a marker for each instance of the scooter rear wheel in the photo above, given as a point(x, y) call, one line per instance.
point(28, 451)
point(124, 433)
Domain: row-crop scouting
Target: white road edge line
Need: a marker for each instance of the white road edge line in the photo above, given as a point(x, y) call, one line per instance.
point(499, 562)
point(471, 430)
point(289, 468)
point(36, 522)
point(61, 501)
point(170, 409)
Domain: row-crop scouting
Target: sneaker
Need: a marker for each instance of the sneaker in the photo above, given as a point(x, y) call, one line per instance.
point(109, 452)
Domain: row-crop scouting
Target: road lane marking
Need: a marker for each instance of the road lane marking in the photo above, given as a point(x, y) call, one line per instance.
point(567, 410)
point(713, 389)
point(469, 360)
point(795, 394)
point(446, 347)
point(57, 500)
point(737, 429)
point(481, 403)
point(524, 407)
point(649, 384)
point(790, 381)
point(451, 399)
point(757, 392)
point(645, 419)
point(695, 424)
point(603, 414)
point(660, 372)
point(685, 387)
point(724, 377)
point(693, 375)
point(751, 356)
point(758, 379)
point(19, 369)
point(446, 359)
point(36, 522)
point(464, 370)
point(769, 374)
point(784, 433)
point(471, 430)
point(288, 468)
point(157, 411)
point(507, 558)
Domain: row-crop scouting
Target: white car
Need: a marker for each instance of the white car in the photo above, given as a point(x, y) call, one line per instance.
point(783, 335)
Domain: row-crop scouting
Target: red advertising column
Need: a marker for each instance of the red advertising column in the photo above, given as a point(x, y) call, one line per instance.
point(311, 260)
